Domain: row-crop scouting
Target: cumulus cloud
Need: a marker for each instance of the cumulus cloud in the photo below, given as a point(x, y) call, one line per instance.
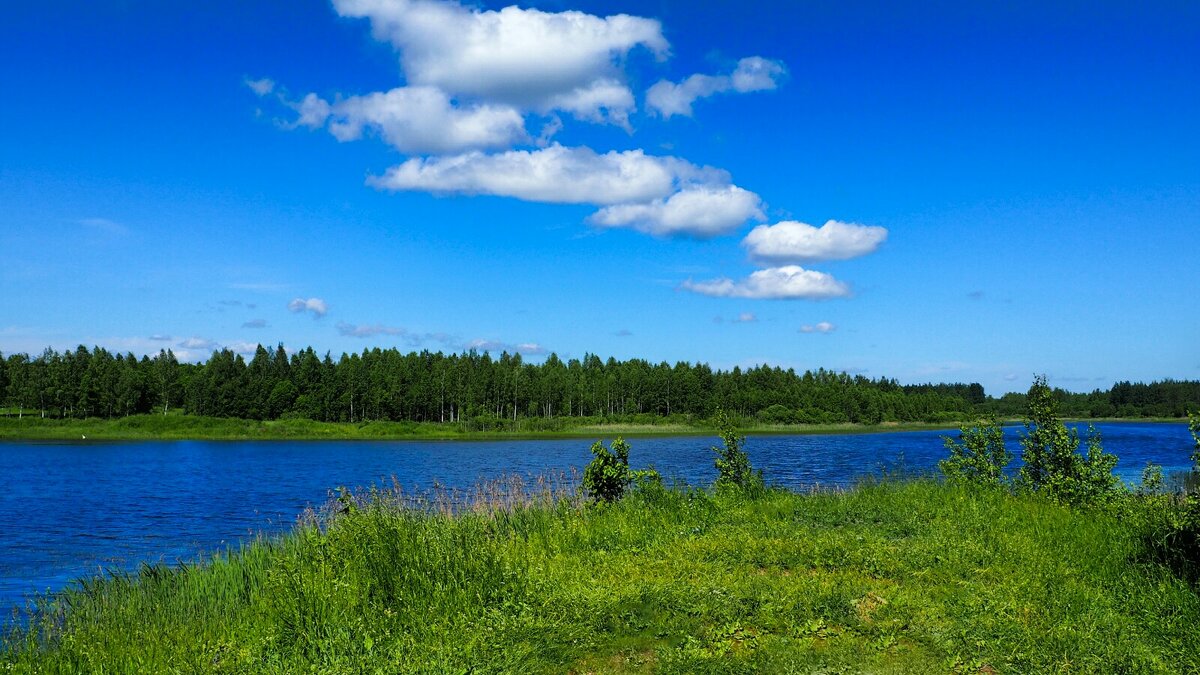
point(599, 101)
point(524, 57)
point(699, 211)
point(822, 327)
point(791, 242)
point(415, 120)
point(317, 306)
point(789, 282)
point(752, 74)
point(555, 174)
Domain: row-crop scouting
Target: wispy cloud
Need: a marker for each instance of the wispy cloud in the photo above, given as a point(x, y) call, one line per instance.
point(105, 226)
point(261, 287)
point(419, 339)
point(198, 343)
point(262, 86)
point(366, 331)
point(821, 327)
point(526, 348)
point(255, 323)
point(752, 74)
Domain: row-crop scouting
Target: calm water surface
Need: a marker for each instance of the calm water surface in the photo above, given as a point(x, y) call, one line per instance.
point(71, 509)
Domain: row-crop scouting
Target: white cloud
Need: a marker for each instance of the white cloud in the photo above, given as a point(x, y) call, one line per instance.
point(317, 306)
point(822, 327)
point(262, 87)
point(313, 111)
point(700, 211)
point(746, 317)
point(600, 101)
point(524, 57)
point(755, 73)
point(752, 74)
point(415, 120)
point(555, 174)
point(790, 241)
point(789, 282)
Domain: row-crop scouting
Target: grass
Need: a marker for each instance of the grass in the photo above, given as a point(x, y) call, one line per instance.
point(905, 577)
point(194, 427)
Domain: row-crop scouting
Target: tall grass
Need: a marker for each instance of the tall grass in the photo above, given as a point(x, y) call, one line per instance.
point(912, 576)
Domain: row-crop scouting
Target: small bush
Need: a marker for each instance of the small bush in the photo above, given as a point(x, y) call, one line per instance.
point(979, 456)
point(733, 464)
point(1053, 464)
point(607, 475)
point(1194, 427)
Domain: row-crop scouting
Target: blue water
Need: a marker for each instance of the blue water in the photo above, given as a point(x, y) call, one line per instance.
point(71, 509)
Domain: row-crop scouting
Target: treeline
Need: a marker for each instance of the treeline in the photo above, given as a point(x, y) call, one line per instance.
point(386, 384)
point(1168, 398)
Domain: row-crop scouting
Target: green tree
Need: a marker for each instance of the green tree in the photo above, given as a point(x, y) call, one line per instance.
point(166, 377)
point(979, 455)
point(1053, 464)
point(733, 464)
point(607, 475)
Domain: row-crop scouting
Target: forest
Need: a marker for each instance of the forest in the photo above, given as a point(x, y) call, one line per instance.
point(390, 385)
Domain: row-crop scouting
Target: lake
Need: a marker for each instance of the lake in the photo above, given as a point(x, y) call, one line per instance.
point(71, 509)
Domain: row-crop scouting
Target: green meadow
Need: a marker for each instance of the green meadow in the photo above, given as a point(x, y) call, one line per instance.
point(917, 576)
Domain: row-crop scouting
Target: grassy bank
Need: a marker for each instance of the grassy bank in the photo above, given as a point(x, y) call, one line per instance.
point(179, 427)
point(901, 577)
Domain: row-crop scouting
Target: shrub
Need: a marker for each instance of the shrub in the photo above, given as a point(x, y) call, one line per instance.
point(733, 464)
point(1194, 427)
point(1053, 464)
point(777, 414)
point(607, 475)
point(979, 456)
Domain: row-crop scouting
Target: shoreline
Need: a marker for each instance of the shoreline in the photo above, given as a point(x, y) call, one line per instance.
point(189, 428)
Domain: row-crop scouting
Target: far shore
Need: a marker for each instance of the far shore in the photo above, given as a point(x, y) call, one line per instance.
point(190, 427)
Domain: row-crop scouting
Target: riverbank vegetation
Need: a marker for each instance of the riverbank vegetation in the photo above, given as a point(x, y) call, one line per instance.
point(484, 394)
point(918, 576)
point(179, 426)
point(986, 571)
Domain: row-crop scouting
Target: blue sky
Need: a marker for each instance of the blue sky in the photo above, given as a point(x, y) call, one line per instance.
point(1014, 188)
